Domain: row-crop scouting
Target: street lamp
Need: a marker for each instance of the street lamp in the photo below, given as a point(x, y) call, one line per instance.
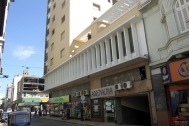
point(5, 76)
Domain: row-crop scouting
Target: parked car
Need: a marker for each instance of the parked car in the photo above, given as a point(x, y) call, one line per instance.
point(4, 117)
point(9, 110)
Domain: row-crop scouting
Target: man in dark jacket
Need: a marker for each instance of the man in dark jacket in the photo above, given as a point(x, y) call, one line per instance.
point(68, 113)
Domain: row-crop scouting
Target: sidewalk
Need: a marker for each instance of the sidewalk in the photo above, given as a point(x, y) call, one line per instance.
point(85, 123)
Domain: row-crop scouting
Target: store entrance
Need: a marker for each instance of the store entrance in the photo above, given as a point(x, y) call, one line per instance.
point(109, 115)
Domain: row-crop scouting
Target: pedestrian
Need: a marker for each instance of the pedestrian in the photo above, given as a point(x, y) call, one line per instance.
point(1, 115)
point(68, 113)
point(82, 113)
point(46, 111)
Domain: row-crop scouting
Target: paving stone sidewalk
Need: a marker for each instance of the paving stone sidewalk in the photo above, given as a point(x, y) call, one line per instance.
point(84, 123)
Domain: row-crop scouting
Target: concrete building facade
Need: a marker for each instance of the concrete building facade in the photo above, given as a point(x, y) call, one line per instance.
point(107, 62)
point(166, 24)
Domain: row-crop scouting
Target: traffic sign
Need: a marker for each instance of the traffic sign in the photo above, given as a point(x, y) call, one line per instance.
point(82, 97)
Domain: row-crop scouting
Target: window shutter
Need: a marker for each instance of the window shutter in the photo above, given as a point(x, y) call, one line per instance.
point(182, 2)
point(185, 17)
point(181, 20)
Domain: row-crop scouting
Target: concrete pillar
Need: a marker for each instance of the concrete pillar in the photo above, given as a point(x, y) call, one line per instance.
point(108, 54)
point(135, 39)
point(128, 48)
point(113, 46)
point(118, 110)
point(120, 47)
point(102, 55)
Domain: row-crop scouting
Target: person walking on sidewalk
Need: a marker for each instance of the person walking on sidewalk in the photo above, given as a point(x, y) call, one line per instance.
point(68, 113)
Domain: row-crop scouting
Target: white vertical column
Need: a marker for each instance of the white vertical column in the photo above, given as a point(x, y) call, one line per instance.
point(89, 61)
point(78, 66)
point(102, 55)
point(120, 46)
point(135, 39)
point(69, 70)
point(63, 75)
point(82, 64)
point(97, 56)
point(108, 55)
point(127, 44)
point(85, 63)
point(93, 59)
point(75, 67)
point(114, 53)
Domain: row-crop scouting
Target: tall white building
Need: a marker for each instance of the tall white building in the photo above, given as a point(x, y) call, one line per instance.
point(16, 79)
point(4, 8)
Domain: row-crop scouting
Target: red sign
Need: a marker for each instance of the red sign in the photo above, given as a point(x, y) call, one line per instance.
point(179, 70)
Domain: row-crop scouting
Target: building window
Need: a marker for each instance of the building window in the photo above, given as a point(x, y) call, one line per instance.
point(52, 46)
point(109, 1)
point(52, 61)
point(54, 6)
point(63, 35)
point(63, 19)
point(62, 53)
point(53, 31)
point(96, 6)
point(94, 18)
point(182, 8)
point(63, 4)
point(131, 40)
point(53, 18)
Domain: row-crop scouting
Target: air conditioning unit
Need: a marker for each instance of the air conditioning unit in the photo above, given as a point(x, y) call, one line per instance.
point(127, 85)
point(80, 93)
point(118, 86)
point(76, 94)
point(86, 92)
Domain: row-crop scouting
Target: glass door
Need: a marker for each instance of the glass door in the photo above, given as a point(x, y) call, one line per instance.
point(109, 115)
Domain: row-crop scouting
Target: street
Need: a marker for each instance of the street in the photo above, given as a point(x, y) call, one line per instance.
point(46, 122)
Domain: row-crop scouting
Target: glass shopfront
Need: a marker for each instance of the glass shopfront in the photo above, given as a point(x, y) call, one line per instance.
point(109, 113)
point(178, 96)
point(75, 108)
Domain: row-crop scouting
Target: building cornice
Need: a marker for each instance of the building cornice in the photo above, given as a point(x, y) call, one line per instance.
point(147, 5)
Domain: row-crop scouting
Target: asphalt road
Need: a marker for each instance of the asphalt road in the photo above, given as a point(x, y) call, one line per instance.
point(46, 122)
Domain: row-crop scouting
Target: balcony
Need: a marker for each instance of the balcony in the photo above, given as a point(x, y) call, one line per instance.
point(48, 26)
point(49, 5)
point(48, 15)
point(46, 63)
point(46, 50)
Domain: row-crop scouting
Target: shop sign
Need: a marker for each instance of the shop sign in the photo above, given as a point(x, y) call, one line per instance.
point(165, 74)
point(96, 108)
point(103, 92)
point(60, 99)
point(179, 70)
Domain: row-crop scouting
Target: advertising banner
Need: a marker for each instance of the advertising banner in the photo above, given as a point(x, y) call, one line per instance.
point(165, 74)
point(103, 92)
point(61, 99)
point(179, 70)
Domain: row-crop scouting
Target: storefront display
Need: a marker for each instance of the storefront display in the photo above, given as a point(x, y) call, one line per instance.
point(75, 108)
point(96, 108)
point(57, 104)
point(178, 90)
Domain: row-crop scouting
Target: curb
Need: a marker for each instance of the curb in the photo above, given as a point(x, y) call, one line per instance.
point(71, 122)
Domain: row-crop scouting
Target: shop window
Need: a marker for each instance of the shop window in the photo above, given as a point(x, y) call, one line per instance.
point(179, 102)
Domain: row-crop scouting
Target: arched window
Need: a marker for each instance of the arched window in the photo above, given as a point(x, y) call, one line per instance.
point(182, 10)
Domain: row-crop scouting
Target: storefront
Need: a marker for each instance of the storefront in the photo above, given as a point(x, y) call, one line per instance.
point(175, 76)
point(103, 104)
point(75, 107)
point(57, 104)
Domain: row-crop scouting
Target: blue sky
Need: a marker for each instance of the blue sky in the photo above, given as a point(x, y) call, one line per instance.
point(24, 42)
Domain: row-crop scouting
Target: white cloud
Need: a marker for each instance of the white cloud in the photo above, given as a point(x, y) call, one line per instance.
point(23, 52)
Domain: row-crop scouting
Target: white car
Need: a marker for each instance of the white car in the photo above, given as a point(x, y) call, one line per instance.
point(9, 110)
